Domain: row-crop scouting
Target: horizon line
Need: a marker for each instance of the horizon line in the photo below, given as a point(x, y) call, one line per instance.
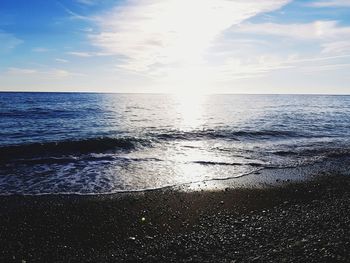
point(173, 93)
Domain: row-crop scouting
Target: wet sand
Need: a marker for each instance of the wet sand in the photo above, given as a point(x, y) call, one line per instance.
point(295, 222)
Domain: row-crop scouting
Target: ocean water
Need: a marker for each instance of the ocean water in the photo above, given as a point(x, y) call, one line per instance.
point(60, 143)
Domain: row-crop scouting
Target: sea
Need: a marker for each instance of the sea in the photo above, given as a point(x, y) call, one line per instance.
point(90, 143)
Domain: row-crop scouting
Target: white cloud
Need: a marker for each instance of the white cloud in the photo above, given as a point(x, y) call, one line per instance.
point(331, 3)
point(61, 73)
point(319, 30)
point(320, 68)
point(49, 73)
point(297, 59)
point(20, 71)
point(88, 2)
point(88, 54)
point(8, 41)
point(201, 43)
point(80, 54)
point(331, 38)
point(61, 60)
point(72, 14)
point(164, 35)
point(337, 47)
point(42, 79)
point(41, 50)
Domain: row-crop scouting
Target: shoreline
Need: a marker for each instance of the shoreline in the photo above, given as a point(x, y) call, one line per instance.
point(282, 223)
point(261, 178)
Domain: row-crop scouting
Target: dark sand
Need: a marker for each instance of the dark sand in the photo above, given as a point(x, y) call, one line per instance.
point(298, 222)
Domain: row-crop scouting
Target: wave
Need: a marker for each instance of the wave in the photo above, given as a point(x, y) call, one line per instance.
point(227, 164)
point(69, 147)
point(37, 152)
point(326, 152)
point(36, 112)
point(302, 157)
point(227, 134)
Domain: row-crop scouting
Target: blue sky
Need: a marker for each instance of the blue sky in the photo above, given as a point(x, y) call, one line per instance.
point(189, 46)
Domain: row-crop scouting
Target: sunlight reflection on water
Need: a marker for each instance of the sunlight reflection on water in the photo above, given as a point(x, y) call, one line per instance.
point(103, 143)
point(190, 109)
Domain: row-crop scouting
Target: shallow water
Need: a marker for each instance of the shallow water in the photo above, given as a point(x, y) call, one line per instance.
point(105, 143)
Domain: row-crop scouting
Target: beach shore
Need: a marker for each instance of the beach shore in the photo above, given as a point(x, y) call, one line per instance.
point(294, 222)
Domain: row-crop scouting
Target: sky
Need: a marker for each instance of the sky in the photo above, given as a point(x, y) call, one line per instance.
point(177, 46)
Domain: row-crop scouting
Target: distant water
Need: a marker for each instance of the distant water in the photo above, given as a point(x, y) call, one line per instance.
point(106, 143)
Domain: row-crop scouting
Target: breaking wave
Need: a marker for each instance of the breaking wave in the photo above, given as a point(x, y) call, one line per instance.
point(69, 147)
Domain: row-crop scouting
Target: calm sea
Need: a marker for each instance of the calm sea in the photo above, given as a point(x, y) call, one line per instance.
point(106, 143)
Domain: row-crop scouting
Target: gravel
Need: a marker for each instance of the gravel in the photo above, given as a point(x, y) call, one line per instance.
point(296, 222)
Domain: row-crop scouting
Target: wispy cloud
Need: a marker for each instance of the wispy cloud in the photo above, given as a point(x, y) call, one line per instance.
point(90, 2)
point(235, 68)
point(161, 43)
point(330, 3)
point(329, 67)
point(20, 71)
point(336, 47)
point(317, 59)
point(153, 35)
point(48, 73)
point(72, 14)
point(331, 37)
point(80, 54)
point(8, 41)
point(41, 49)
point(87, 2)
point(88, 54)
point(61, 60)
point(324, 30)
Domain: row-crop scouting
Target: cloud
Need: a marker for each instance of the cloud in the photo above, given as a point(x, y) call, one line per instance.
point(61, 60)
point(156, 35)
point(330, 3)
point(337, 47)
point(21, 71)
point(45, 74)
point(61, 73)
point(201, 43)
point(80, 54)
point(318, 30)
point(40, 50)
point(329, 67)
point(329, 35)
point(316, 59)
point(235, 68)
point(72, 14)
point(88, 54)
point(8, 42)
point(87, 2)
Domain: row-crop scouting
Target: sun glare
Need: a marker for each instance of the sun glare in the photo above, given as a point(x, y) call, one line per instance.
point(170, 41)
point(190, 108)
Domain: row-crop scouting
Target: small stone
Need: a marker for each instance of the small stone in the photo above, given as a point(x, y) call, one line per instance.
point(297, 243)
